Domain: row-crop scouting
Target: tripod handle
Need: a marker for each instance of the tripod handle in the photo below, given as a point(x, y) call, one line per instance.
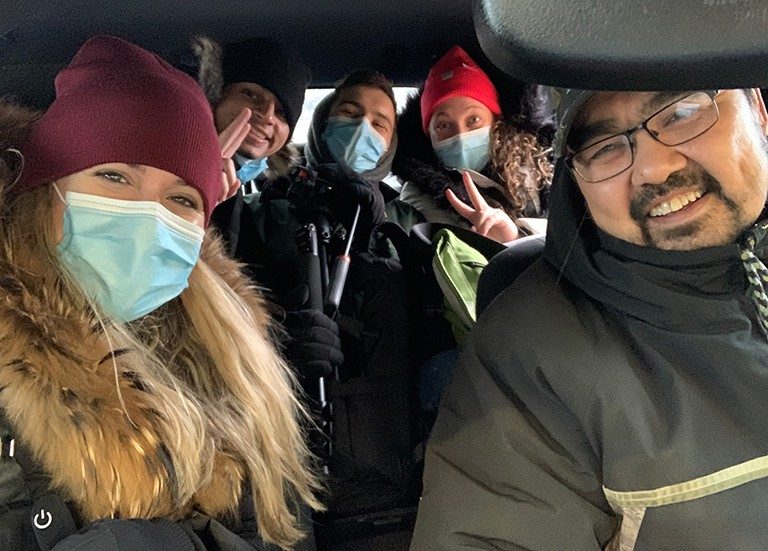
point(311, 269)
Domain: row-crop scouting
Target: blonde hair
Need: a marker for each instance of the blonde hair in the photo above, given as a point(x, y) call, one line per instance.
point(523, 164)
point(208, 357)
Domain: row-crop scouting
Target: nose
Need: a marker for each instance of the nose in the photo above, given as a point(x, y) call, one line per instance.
point(654, 161)
point(462, 127)
point(266, 112)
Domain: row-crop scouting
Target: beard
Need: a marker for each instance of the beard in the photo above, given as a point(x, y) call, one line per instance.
point(696, 178)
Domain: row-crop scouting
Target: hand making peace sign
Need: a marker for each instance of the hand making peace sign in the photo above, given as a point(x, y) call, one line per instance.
point(229, 141)
point(488, 221)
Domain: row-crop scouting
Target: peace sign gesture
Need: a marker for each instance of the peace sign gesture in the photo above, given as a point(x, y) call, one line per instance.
point(488, 221)
point(229, 142)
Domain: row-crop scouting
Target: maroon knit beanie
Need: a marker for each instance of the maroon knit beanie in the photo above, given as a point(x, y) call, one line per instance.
point(116, 102)
point(456, 74)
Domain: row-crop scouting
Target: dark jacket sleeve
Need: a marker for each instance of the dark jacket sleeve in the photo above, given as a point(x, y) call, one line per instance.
point(508, 465)
point(226, 217)
point(15, 507)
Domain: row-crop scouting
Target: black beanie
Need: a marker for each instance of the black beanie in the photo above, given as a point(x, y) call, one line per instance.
point(269, 64)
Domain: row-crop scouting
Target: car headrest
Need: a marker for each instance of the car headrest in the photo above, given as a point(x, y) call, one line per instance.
point(636, 45)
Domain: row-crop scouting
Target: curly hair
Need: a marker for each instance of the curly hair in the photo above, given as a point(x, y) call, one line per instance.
point(524, 165)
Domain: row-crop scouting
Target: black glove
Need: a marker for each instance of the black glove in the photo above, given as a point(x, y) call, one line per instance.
point(313, 347)
point(348, 192)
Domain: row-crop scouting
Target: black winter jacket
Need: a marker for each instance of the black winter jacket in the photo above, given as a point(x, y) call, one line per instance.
point(614, 395)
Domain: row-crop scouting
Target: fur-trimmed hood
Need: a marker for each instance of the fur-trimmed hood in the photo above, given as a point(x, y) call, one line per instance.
point(104, 450)
point(531, 128)
point(209, 55)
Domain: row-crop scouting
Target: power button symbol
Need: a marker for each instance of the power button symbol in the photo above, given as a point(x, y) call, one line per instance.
point(42, 519)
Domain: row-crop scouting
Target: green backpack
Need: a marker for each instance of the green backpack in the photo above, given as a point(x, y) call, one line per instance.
point(457, 266)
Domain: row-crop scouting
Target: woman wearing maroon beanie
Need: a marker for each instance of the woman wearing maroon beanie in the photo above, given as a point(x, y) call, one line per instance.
point(138, 379)
point(460, 122)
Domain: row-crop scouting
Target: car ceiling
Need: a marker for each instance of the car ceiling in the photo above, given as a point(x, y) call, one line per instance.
point(398, 37)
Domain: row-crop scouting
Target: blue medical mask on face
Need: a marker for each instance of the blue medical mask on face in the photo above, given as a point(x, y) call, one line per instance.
point(129, 256)
point(354, 143)
point(470, 150)
point(250, 169)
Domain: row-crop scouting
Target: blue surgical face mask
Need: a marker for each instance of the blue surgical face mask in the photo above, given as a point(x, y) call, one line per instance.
point(129, 256)
point(250, 169)
point(470, 150)
point(354, 143)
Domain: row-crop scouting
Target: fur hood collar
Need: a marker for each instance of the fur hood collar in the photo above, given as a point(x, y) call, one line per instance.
point(416, 163)
point(58, 381)
point(209, 55)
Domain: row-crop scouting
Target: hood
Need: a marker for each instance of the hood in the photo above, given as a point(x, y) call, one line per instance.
point(417, 163)
point(684, 291)
point(316, 152)
point(208, 53)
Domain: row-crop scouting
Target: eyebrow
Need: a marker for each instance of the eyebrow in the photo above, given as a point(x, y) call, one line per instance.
point(350, 102)
point(660, 99)
point(467, 108)
point(383, 116)
point(360, 106)
point(582, 134)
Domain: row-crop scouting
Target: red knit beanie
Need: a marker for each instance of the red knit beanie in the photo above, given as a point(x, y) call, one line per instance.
point(455, 74)
point(116, 102)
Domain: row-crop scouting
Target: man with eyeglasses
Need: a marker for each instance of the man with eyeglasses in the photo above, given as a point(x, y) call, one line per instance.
point(616, 395)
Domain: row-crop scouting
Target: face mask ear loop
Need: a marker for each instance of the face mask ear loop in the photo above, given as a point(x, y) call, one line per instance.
point(58, 192)
point(19, 171)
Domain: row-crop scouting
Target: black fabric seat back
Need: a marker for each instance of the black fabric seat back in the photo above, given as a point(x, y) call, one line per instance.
point(505, 267)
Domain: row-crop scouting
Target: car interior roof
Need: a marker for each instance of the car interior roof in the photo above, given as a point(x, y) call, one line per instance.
point(401, 38)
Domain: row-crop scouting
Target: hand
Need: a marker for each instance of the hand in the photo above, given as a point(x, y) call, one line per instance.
point(229, 141)
point(488, 221)
point(349, 192)
point(313, 347)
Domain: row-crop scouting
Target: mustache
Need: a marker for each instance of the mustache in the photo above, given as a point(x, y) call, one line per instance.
point(687, 179)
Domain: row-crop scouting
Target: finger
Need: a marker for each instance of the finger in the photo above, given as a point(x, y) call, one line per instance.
point(460, 206)
point(234, 134)
point(242, 118)
point(232, 190)
point(228, 167)
point(229, 181)
point(235, 141)
point(498, 226)
point(486, 225)
point(474, 195)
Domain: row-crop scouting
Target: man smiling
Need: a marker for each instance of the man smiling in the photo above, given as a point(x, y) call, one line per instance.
point(264, 82)
point(636, 420)
point(697, 187)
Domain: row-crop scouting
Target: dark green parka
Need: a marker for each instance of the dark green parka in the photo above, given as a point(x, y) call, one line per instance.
point(614, 395)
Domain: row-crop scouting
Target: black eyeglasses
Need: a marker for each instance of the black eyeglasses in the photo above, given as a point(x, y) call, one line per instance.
point(675, 124)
